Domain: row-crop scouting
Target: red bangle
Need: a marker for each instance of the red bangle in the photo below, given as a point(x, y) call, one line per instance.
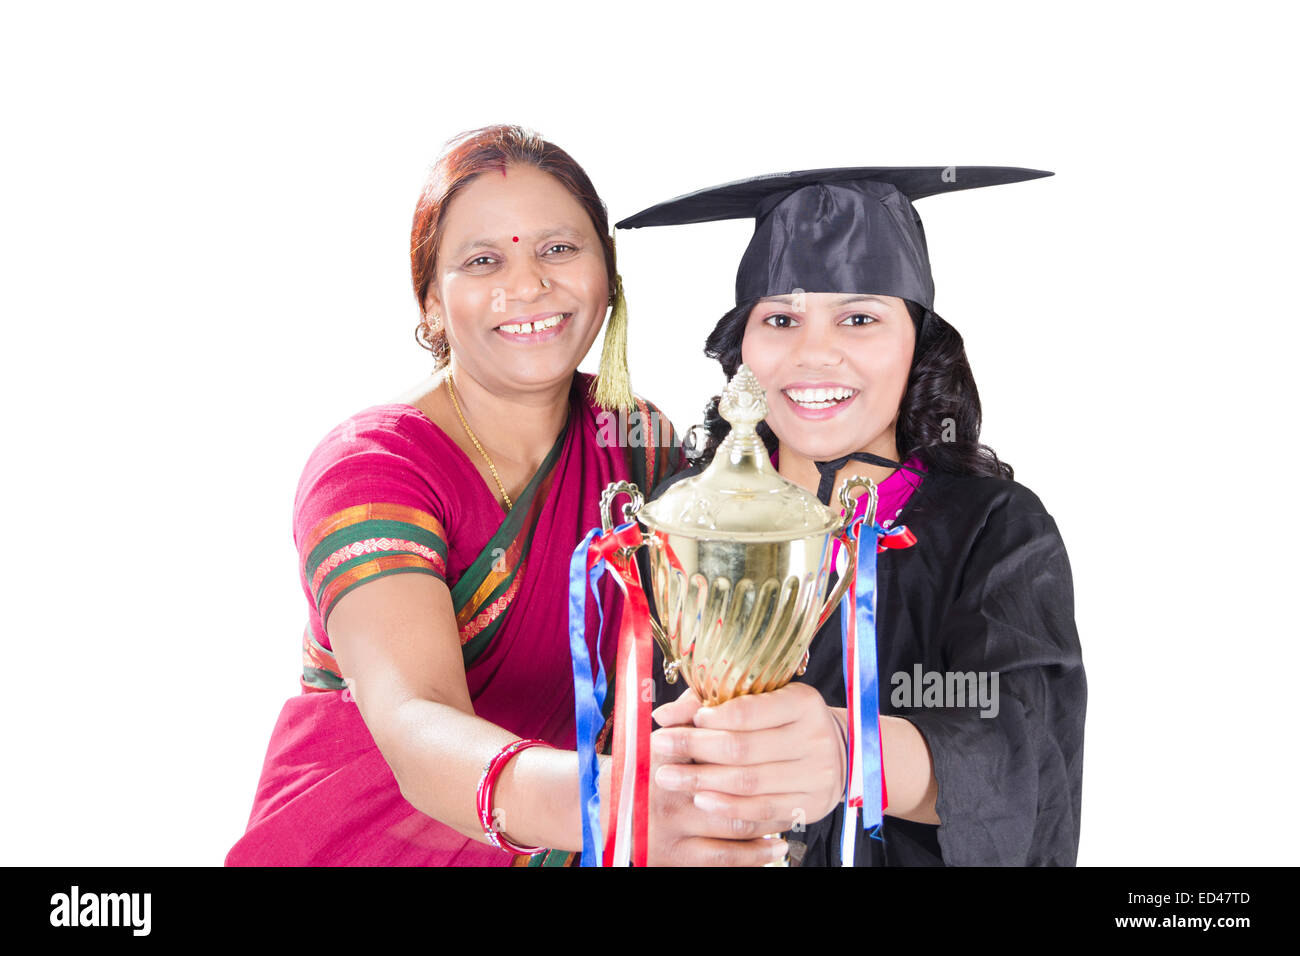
point(485, 786)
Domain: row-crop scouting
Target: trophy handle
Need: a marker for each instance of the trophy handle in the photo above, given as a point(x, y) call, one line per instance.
point(671, 662)
point(607, 524)
point(849, 503)
point(607, 520)
point(610, 494)
point(837, 593)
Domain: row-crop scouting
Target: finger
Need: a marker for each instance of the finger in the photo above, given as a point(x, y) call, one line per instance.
point(769, 812)
point(759, 711)
point(663, 753)
point(732, 748)
point(736, 828)
point(677, 712)
point(739, 780)
point(706, 851)
point(690, 821)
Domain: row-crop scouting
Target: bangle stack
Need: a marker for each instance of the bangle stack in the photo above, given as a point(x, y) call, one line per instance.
point(485, 787)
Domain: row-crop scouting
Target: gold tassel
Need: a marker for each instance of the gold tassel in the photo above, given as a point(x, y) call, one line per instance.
point(612, 388)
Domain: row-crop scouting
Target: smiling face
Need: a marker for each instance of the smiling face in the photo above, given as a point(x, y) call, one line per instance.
point(834, 372)
point(521, 284)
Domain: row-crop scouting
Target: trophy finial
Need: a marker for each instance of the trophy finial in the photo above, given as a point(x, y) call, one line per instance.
point(740, 492)
point(743, 400)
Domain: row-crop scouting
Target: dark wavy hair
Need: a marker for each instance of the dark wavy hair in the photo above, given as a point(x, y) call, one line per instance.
point(938, 418)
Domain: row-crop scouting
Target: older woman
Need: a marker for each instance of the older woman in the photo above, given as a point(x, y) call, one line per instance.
point(835, 317)
point(436, 719)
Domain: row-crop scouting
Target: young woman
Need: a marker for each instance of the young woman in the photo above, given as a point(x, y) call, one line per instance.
point(435, 533)
point(862, 377)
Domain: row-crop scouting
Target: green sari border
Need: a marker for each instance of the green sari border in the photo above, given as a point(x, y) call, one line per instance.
point(520, 520)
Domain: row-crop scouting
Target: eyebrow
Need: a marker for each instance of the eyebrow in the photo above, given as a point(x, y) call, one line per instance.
point(472, 244)
point(842, 300)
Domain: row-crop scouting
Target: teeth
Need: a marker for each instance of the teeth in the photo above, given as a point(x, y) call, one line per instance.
point(819, 397)
point(524, 328)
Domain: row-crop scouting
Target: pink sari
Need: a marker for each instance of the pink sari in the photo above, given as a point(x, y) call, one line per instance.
point(388, 492)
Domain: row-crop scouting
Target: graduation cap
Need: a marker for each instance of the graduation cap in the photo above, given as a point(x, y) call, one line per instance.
point(848, 230)
point(851, 230)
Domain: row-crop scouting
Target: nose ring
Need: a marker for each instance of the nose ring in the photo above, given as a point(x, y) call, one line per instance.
point(545, 284)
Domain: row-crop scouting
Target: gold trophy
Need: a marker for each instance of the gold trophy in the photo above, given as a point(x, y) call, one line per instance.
point(739, 560)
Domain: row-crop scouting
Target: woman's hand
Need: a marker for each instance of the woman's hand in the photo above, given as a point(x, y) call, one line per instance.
point(771, 761)
point(682, 834)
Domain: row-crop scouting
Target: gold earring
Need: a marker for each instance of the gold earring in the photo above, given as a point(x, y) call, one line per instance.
point(433, 342)
point(424, 335)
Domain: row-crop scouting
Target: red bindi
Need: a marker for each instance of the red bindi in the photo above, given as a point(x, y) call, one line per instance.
point(515, 239)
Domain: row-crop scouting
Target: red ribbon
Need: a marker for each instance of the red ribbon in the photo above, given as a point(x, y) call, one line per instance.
point(605, 546)
point(634, 649)
point(899, 537)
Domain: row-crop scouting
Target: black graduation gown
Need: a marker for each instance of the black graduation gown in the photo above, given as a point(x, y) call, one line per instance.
point(986, 588)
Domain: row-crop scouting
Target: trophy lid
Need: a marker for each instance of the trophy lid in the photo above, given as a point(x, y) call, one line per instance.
point(740, 496)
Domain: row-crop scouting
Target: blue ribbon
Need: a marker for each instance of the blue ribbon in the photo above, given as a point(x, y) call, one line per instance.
point(589, 697)
point(868, 741)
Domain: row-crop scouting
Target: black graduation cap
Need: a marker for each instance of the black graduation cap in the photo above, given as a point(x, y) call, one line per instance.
point(832, 230)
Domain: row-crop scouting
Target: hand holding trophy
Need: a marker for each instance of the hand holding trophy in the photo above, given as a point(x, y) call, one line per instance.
point(739, 560)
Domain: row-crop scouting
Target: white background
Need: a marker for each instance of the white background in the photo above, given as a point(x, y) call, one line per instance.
point(205, 217)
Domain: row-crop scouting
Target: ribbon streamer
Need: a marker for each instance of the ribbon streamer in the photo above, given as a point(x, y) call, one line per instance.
point(588, 694)
point(628, 837)
point(864, 785)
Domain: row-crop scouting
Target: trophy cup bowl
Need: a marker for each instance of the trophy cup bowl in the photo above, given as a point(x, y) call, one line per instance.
point(739, 561)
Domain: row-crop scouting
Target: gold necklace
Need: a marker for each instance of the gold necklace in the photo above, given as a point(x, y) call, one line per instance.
point(474, 438)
